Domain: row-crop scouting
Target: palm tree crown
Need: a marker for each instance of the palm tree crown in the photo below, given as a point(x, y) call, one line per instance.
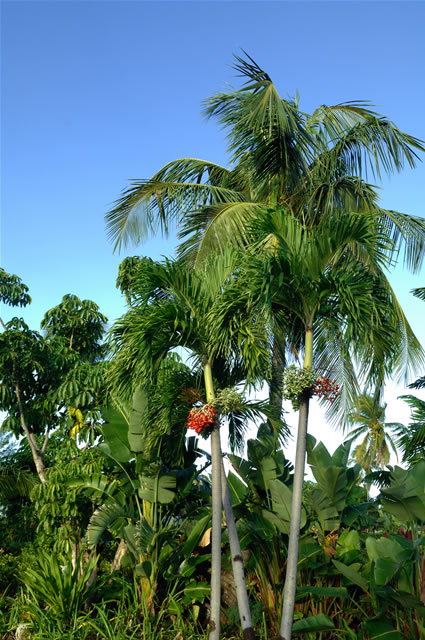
point(313, 164)
point(374, 450)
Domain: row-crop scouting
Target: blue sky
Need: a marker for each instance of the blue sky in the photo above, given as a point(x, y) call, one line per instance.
point(96, 93)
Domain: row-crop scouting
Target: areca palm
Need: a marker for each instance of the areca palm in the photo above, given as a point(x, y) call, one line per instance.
point(325, 280)
point(173, 306)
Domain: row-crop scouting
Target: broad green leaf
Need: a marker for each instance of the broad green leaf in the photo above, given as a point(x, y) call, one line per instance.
point(351, 574)
point(381, 630)
point(312, 624)
point(197, 590)
point(383, 548)
point(238, 490)
point(146, 535)
point(188, 566)
point(403, 598)
point(333, 592)
point(281, 525)
point(307, 551)
point(144, 569)
point(137, 417)
point(115, 432)
point(195, 535)
point(130, 535)
point(326, 512)
point(110, 514)
point(158, 488)
point(385, 570)
point(348, 541)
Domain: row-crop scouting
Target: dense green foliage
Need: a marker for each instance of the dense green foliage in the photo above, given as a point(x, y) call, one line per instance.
point(113, 516)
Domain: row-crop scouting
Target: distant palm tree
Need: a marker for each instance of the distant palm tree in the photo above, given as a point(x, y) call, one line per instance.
point(373, 453)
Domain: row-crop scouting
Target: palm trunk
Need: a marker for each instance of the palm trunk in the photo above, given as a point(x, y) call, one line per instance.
point(297, 495)
point(216, 463)
point(237, 562)
point(276, 388)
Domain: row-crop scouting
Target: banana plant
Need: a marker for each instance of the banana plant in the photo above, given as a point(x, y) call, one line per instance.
point(139, 505)
point(383, 583)
point(266, 475)
point(405, 497)
point(336, 499)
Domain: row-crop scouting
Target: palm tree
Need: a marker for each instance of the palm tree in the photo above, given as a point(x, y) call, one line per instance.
point(325, 279)
point(175, 306)
point(373, 453)
point(313, 164)
point(411, 439)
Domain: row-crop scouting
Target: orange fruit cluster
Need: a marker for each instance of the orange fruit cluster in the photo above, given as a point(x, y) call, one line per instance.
point(326, 388)
point(201, 418)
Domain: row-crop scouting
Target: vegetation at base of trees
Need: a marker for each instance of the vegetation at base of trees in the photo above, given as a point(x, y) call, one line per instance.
point(114, 520)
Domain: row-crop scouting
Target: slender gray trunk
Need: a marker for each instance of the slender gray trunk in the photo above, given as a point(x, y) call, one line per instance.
point(294, 532)
point(237, 562)
point(37, 453)
point(216, 463)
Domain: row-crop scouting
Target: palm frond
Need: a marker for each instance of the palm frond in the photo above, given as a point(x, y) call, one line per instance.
point(418, 384)
point(375, 145)
point(407, 233)
point(216, 227)
point(159, 203)
point(419, 292)
point(14, 484)
point(411, 439)
point(257, 117)
point(337, 119)
point(322, 196)
point(379, 478)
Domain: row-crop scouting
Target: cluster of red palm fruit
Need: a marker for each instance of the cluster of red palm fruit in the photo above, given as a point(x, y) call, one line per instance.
point(200, 418)
point(326, 388)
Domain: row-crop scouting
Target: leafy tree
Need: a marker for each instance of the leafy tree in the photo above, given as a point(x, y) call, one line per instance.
point(411, 439)
point(17, 479)
point(44, 376)
point(79, 322)
point(13, 291)
point(22, 360)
